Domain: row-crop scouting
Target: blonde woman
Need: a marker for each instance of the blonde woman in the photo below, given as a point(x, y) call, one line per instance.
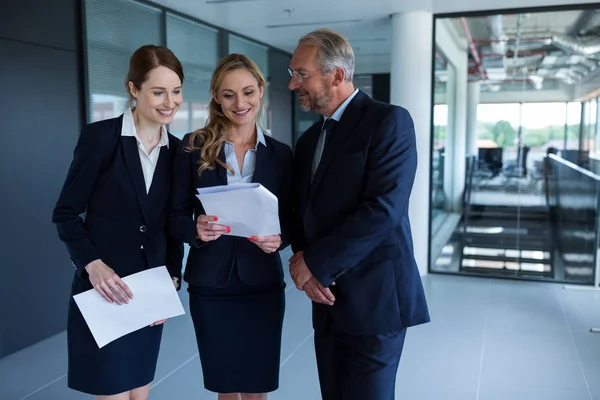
point(236, 284)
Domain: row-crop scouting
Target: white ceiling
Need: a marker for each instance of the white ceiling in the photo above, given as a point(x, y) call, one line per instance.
point(366, 23)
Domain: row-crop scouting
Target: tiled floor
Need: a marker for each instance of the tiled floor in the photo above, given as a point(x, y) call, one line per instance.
point(489, 340)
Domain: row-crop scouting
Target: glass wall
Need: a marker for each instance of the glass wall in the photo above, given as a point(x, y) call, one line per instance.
point(441, 179)
point(260, 55)
point(513, 140)
point(527, 107)
point(114, 30)
point(364, 83)
point(589, 125)
point(196, 46)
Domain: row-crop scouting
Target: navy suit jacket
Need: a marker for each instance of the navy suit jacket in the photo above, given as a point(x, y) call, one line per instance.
point(352, 221)
point(209, 264)
point(123, 224)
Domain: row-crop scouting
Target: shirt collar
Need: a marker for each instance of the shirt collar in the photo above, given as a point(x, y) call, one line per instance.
point(337, 115)
point(128, 129)
point(260, 138)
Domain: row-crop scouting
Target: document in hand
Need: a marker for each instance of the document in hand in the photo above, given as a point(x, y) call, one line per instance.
point(154, 298)
point(249, 209)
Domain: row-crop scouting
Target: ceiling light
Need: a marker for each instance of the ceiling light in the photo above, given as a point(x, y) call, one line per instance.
point(321, 23)
point(367, 40)
point(227, 1)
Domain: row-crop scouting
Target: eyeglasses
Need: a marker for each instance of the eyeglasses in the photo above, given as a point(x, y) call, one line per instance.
point(298, 76)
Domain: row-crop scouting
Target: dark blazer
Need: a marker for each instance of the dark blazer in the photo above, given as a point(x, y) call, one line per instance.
point(209, 263)
point(352, 220)
point(106, 182)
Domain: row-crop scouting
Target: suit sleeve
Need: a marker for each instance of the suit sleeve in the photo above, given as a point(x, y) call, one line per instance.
point(285, 200)
point(175, 252)
point(390, 172)
point(181, 218)
point(89, 156)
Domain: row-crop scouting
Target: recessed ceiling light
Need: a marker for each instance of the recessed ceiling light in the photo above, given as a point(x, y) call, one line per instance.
point(367, 40)
point(321, 23)
point(227, 1)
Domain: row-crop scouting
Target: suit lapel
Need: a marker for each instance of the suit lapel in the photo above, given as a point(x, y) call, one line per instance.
point(259, 165)
point(221, 171)
point(134, 167)
point(311, 138)
point(161, 175)
point(352, 114)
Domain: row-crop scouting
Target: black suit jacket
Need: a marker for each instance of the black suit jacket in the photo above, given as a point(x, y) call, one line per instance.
point(106, 182)
point(210, 263)
point(352, 220)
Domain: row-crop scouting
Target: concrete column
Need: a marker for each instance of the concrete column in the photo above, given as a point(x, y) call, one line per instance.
point(473, 92)
point(410, 87)
point(459, 139)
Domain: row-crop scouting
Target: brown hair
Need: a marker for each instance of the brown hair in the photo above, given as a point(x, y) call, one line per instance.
point(210, 139)
point(145, 59)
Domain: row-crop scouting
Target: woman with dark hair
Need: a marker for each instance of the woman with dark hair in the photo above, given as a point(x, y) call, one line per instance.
point(120, 177)
point(236, 284)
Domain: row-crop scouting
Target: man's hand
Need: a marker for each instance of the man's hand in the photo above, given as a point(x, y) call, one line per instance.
point(318, 293)
point(299, 270)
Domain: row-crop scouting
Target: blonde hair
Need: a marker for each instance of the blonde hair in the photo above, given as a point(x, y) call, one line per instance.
point(210, 139)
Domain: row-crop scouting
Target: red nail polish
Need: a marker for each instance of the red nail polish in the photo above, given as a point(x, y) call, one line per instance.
point(228, 229)
point(215, 219)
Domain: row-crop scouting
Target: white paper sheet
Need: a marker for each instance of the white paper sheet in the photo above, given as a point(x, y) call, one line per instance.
point(249, 209)
point(154, 298)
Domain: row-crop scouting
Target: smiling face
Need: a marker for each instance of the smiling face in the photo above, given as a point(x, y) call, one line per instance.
point(313, 89)
point(240, 96)
point(159, 97)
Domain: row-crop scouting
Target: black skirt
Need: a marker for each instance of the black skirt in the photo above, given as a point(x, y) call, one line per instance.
point(238, 329)
point(122, 365)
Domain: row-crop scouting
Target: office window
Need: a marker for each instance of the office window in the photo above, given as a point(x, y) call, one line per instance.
point(364, 83)
point(590, 126)
point(196, 46)
point(114, 30)
point(260, 55)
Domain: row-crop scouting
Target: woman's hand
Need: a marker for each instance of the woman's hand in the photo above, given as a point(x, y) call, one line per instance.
point(268, 244)
point(108, 283)
point(209, 231)
point(162, 321)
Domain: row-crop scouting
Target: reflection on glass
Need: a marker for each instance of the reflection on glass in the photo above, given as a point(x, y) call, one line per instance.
point(260, 55)
point(196, 47)
point(590, 125)
point(443, 91)
point(523, 216)
point(364, 83)
point(440, 121)
point(105, 106)
point(114, 30)
point(573, 195)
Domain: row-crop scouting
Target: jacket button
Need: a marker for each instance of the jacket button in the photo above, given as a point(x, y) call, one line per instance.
point(143, 228)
